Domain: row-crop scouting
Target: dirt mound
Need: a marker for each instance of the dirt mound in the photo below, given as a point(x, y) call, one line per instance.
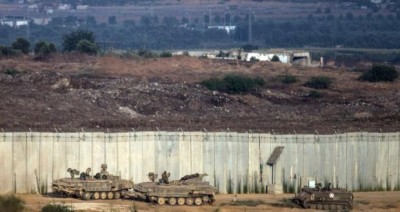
point(71, 92)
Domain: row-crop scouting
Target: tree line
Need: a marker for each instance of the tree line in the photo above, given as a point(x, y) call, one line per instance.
point(326, 30)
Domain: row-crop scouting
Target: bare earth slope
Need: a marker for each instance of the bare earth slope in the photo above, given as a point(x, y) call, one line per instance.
point(70, 92)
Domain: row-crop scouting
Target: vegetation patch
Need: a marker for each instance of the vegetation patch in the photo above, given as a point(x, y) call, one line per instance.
point(145, 53)
point(6, 51)
point(11, 203)
point(12, 71)
point(56, 208)
point(364, 202)
point(319, 82)
point(252, 203)
point(314, 94)
point(287, 78)
point(234, 84)
point(166, 54)
point(380, 73)
point(284, 203)
point(389, 206)
point(275, 59)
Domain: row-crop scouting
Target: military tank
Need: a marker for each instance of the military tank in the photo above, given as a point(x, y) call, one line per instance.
point(100, 186)
point(189, 190)
point(324, 198)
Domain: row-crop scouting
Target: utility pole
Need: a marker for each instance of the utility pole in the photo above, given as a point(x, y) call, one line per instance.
point(250, 29)
point(28, 30)
point(209, 15)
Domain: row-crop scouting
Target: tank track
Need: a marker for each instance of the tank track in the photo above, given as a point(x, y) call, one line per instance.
point(325, 206)
point(99, 195)
point(190, 201)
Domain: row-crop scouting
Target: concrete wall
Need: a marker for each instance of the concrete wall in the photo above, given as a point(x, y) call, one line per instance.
point(359, 161)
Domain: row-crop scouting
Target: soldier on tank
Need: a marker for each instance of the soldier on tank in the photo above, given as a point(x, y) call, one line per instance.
point(73, 172)
point(152, 176)
point(104, 169)
point(85, 175)
point(165, 176)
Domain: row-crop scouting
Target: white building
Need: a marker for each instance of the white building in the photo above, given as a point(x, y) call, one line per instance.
point(377, 1)
point(228, 29)
point(266, 57)
point(13, 21)
point(289, 57)
point(41, 21)
point(64, 7)
point(82, 7)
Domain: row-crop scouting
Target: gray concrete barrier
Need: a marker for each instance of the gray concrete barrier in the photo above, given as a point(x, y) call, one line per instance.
point(235, 162)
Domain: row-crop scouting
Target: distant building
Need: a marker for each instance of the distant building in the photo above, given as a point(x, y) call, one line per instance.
point(41, 21)
point(82, 7)
point(377, 1)
point(33, 7)
point(228, 29)
point(64, 7)
point(15, 21)
point(289, 57)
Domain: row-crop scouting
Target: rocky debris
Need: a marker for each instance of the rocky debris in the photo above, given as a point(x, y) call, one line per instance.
point(70, 100)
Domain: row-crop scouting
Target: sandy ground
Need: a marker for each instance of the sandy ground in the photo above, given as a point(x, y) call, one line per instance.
point(363, 201)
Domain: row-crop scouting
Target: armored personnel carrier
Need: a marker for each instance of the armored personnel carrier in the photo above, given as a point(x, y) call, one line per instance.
point(100, 186)
point(324, 198)
point(189, 190)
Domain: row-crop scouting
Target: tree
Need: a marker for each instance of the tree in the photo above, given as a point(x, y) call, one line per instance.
point(275, 59)
point(43, 48)
point(85, 46)
point(327, 10)
point(217, 19)
point(207, 19)
point(71, 40)
point(112, 20)
point(380, 73)
point(21, 44)
point(349, 16)
point(129, 23)
point(91, 20)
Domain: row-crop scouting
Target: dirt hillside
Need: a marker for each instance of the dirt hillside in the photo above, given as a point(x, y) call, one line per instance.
point(70, 92)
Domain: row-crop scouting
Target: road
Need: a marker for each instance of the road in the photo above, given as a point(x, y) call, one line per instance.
point(363, 201)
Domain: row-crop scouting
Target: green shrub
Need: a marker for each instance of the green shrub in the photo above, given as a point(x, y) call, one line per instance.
point(320, 82)
point(314, 94)
point(287, 78)
point(12, 71)
point(43, 48)
point(234, 83)
point(87, 47)
point(380, 73)
point(72, 39)
point(7, 51)
point(147, 53)
point(275, 59)
point(254, 59)
point(56, 208)
point(11, 203)
point(166, 54)
point(222, 54)
point(214, 84)
point(21, 44)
